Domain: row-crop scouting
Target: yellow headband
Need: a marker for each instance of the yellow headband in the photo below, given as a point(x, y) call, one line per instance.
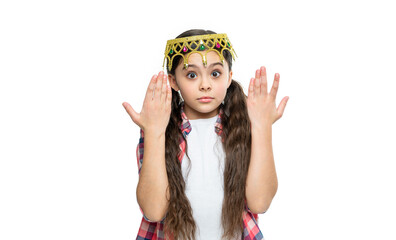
point(209, 42)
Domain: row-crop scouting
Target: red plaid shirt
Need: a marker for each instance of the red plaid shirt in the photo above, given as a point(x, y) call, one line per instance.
point(154, 230)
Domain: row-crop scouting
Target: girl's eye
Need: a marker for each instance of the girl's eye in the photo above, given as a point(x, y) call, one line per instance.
point(216, 74)
point(191, 75)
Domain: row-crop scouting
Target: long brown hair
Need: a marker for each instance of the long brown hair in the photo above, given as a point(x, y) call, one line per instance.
point(179, 222)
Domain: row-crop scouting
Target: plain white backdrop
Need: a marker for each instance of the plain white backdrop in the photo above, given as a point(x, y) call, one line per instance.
point(68, 166)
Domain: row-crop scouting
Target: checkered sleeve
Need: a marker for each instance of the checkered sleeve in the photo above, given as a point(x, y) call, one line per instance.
point(140, 150)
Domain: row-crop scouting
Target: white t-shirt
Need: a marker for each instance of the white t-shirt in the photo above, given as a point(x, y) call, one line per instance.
point(204, 182)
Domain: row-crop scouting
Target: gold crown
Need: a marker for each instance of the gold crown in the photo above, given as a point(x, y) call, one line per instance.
point(197, 44)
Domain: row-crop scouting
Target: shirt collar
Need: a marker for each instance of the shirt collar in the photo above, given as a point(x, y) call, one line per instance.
point(186, 126)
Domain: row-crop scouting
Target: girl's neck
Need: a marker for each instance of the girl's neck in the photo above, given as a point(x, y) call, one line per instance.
point(192, 114)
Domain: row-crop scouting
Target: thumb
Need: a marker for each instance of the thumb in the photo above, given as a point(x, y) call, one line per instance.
point(134, 115)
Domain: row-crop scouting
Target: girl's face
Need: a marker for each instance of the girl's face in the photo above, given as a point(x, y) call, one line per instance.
point(199, 81)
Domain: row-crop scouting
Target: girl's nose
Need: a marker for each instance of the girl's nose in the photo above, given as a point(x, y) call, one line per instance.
point(205, 84)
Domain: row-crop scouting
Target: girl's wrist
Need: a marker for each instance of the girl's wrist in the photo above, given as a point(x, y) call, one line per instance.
point(261, 126)
point(153, 132)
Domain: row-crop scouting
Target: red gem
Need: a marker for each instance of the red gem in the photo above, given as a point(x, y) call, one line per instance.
point(184, 49)
point(217, 45)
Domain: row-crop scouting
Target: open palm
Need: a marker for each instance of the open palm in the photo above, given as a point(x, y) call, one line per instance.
point(156, 108)
point(261, 104)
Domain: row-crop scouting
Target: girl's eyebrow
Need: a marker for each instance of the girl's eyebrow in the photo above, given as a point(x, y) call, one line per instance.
point(211, 65)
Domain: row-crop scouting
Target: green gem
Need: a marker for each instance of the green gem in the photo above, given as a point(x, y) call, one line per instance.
point(228, 44)
point(171, 51)
point(202, 47)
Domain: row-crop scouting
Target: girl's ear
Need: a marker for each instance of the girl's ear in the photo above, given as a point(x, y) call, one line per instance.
point(172, 82)
point(230, 79)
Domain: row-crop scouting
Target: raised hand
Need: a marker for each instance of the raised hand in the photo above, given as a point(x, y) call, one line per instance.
point(156, 108)
point(261, 105)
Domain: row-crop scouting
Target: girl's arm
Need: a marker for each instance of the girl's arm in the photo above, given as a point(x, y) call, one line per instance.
point(261, 182)
point(152, 192)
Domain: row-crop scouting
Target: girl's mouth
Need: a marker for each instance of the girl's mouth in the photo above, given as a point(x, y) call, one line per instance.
point(205, 99)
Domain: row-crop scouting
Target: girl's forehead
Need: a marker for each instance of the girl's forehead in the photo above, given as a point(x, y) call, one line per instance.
point(211, 56)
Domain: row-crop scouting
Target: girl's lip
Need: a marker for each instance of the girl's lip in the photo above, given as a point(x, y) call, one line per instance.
point(205, 98)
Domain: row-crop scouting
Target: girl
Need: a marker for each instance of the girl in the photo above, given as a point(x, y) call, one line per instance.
point(204, 114)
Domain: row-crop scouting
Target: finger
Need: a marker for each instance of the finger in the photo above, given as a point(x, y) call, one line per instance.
point(151, 88)
point(131, 112)
point(169, 96)
point(164, 89)
point(158, 86)
point(257, 83)
point(275, 86)
point(282, 106)
point(263, 77)
point(251, 88)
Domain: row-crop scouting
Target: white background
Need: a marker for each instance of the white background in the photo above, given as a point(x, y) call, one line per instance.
point(68, 165)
